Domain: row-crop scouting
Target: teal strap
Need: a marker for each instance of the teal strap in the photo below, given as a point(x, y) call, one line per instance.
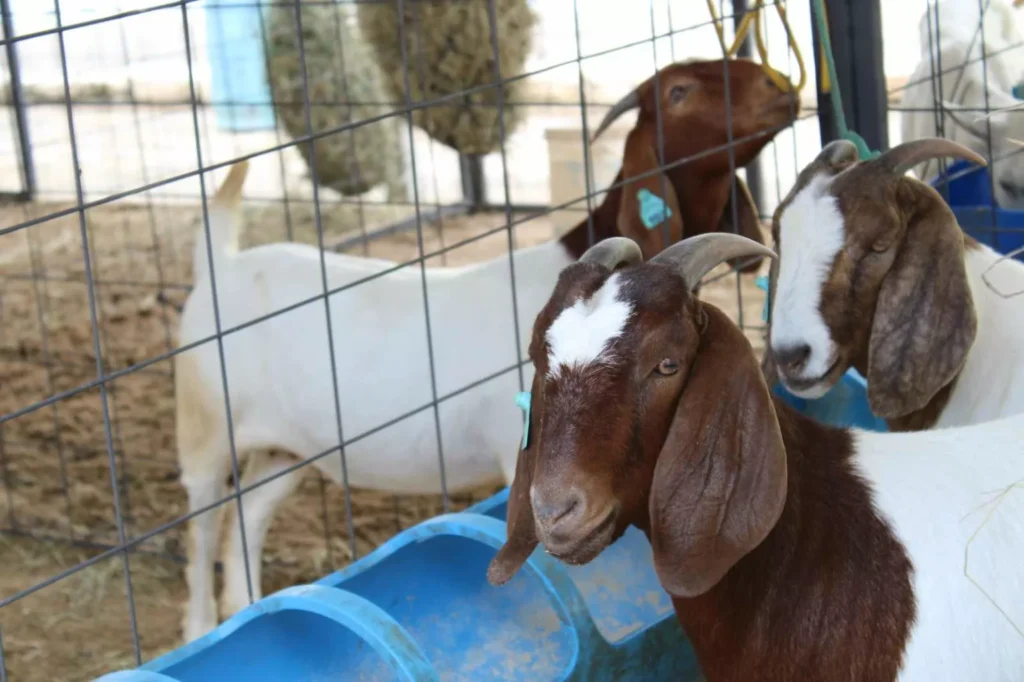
point(523, 401)
point(837, 99)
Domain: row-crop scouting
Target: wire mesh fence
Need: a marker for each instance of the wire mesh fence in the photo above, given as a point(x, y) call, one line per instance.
point(405, 144)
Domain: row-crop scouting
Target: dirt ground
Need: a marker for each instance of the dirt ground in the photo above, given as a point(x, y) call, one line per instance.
point(55, 479)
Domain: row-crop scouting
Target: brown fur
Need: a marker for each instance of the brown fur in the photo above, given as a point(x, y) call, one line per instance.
point(896, 302)
point(779, 566)
point(698, 191)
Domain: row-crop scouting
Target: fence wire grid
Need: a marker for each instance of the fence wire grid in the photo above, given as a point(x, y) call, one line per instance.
point(121, 120)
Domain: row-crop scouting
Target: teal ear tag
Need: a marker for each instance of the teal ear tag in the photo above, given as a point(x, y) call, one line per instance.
point(653, 210)
point(762, 283)
point(523, 401)
point(1018, 91)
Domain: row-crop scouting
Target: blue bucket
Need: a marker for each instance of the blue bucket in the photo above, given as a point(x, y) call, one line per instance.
point(970, 196)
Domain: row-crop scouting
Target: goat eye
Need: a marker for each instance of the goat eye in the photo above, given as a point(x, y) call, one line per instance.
point(667, 367)
point(677, 94)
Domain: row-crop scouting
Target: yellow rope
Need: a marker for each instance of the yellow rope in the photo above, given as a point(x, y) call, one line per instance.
point(753, 18)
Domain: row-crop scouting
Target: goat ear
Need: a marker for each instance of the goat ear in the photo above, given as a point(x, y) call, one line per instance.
point(642, 208)
point(925, 322)
point(521, 534)
point(748, 222)
point(720, 481)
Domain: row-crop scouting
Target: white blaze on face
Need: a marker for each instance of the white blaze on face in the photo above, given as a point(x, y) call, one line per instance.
point(811, 234)
point(583, 332)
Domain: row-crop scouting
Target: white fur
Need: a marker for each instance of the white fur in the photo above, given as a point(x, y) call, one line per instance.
point(951, 47)
point(281, 390)
point(991, 383)
point(583, 332)
point(936, 488)
point(811, 233)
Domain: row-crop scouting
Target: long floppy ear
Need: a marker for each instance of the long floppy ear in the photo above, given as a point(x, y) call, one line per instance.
point(642, 209)
point(521, 534)
point(720, 481)
point(925, 322)
point(748, 222)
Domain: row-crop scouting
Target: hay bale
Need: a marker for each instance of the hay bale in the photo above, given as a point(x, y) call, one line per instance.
point(449, 50)
point(345, 86)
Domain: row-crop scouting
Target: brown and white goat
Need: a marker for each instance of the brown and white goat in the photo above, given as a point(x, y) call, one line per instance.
point(692, 98)
point(874, 272)
point(279, 371)
point(791, 550)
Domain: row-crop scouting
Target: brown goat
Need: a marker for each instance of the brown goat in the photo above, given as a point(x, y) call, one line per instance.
point(731, 490)
point(791, 550)
point(692, 97)
point(875, 273)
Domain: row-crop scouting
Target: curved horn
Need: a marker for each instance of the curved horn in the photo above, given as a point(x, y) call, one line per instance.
point(903, 157)
point(696, 256)
point(612, 252)
point(630, 101)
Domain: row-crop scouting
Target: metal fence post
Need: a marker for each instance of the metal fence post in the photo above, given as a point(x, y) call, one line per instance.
point(28, 173)
point(754, 183)
point(855, 28)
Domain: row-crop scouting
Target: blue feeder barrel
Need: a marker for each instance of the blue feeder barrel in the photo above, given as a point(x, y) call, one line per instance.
point(419, 608)
point(970, 196)
point(234, 42)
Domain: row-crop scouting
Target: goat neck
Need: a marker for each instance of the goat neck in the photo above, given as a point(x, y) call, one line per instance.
point(991, 382)
point(802, 587)
point(604, 218)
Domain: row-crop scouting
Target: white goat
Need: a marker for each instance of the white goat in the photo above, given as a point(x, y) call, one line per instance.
point(282, 394)
point(875, 273)
point(966, 70)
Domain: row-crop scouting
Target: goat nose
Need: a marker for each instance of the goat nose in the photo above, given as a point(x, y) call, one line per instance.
point(550, 512)
point(792, 357)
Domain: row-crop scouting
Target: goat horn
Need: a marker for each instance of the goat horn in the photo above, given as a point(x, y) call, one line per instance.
point(903, 157)
point(697, 256)
point(630, 101)
point(614, 251)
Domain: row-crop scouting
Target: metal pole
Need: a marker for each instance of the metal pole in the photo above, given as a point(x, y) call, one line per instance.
point(855, 27)
point(471, 168)
point(754, 183)
point(28, 173)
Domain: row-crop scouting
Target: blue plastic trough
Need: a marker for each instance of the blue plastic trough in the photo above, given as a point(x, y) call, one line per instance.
point(970, 197)
point(420, 608)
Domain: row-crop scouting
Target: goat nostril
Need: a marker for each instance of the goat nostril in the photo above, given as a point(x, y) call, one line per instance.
point(792, 357)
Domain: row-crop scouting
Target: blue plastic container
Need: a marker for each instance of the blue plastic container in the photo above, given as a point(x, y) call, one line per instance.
point(970, 197)
point(234, 44)
point(420, 608)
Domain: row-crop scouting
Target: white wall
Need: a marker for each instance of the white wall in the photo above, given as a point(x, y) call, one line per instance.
point(156, 48)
